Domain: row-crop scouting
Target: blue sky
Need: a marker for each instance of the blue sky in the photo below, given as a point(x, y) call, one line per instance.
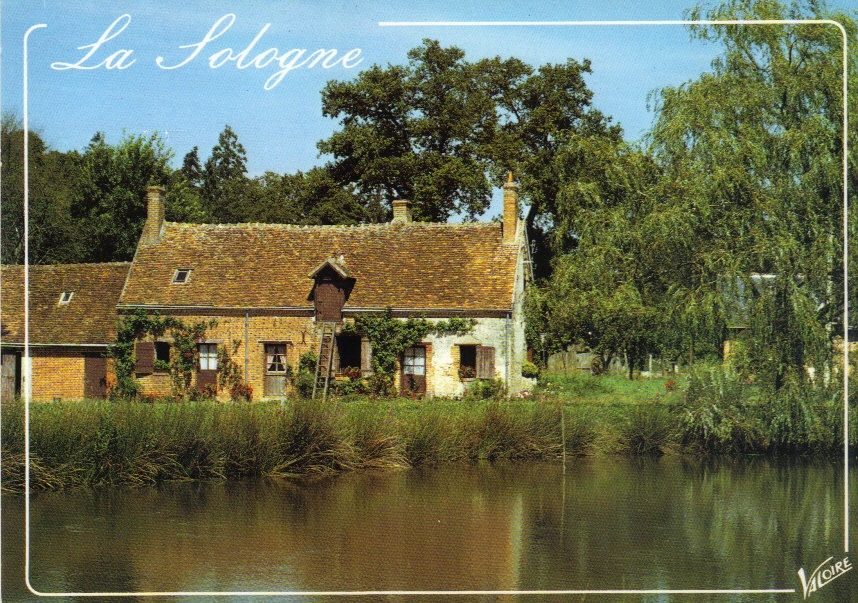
point(279, 127)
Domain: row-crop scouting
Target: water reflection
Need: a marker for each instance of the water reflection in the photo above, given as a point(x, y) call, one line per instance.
point(604, 524)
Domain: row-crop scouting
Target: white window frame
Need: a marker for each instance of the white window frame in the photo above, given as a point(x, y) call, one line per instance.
point(208, 356)
point(414, 363)
point(277, 349)
point(65, 297)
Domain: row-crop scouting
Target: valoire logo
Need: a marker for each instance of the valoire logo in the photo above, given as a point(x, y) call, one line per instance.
point(827, 571)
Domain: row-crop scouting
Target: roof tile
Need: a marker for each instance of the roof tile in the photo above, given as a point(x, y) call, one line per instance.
point(406, 266)
point(90, 316)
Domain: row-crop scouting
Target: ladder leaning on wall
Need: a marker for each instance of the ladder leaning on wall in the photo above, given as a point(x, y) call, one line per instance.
point(324, 361)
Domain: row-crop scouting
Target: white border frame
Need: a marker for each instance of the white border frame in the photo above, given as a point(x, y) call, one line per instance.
point(27, 366)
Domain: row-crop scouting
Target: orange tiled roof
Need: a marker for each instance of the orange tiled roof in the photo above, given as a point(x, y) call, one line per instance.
point(88, 318)
point(403, 266)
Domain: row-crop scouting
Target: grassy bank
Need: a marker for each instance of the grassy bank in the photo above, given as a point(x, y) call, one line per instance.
point(96, 443)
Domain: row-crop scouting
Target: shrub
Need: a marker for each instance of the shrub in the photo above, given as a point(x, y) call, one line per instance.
point(241, 392)
point(313, 440)
point(306, 376)
point(307, 362)
point(201, 393)
point(717, 414)
point(529, 370)
point(304, 384)
point(580, 431)
point(645, 430)
point(485, 389)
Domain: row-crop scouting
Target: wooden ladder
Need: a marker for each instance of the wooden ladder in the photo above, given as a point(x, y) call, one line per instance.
point(324, 361)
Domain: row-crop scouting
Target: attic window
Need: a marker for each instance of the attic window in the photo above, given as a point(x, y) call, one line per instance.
point(181, 276)
point(66, 297)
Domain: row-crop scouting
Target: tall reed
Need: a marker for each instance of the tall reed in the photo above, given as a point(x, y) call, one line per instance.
point(100, 443)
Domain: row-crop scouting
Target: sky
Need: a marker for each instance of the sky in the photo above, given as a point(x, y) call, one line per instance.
point(187, 69)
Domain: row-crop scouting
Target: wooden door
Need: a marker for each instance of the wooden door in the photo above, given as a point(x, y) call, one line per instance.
point(207, 372)
point(329, 298)
point(94, 376)
point(414, 370)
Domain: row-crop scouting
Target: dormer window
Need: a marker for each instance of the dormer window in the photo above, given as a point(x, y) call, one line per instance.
point(331, 290)
point(66, 297)
point(181, 276)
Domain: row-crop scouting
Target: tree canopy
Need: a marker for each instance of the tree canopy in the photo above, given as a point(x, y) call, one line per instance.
point(440, 130)
point(741, 183)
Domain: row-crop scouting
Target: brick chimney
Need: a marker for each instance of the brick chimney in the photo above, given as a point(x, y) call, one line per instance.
point(154, 215)
point(401, 211)
point(510, 210)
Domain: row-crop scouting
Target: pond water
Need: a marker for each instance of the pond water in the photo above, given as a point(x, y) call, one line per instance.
point(606, 524)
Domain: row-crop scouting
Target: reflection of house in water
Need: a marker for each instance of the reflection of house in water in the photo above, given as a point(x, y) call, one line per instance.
point(344, 535)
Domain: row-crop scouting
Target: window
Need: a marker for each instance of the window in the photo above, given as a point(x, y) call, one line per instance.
point(275, 358)
point(476, 361)
point(208, 356)
point(66, 297)
point(414, 361)
point(349, 355)
point(162, 356)
point(181, 276)
point(467, 361)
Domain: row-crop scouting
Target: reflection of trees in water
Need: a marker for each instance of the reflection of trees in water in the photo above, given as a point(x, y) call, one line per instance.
point(618, 523)
point(674, 523)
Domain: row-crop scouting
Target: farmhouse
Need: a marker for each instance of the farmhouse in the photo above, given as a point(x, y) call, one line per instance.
point(72, 321)
point(278, 291)
point(272, 292)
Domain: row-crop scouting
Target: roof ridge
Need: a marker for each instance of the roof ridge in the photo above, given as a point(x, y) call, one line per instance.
point(237, 225)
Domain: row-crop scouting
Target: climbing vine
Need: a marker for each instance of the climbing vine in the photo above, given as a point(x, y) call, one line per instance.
point(185, 358)
point(131, 328)
point(390, 336)
point(182, 362)
point(229, 374)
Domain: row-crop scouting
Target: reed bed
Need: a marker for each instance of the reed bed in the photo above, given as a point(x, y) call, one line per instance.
point(94, 443)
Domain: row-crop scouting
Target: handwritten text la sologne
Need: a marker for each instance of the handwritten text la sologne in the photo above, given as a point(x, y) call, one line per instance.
point(284, 62)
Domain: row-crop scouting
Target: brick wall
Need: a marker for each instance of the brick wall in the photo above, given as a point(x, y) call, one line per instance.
point(298, 332)
point(302, 335)
point(57, 373)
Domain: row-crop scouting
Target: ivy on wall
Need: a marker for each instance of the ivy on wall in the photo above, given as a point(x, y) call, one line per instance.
point(184, 357)
point(390, 337)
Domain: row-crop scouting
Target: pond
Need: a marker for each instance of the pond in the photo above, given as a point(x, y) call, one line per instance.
point(606, 524)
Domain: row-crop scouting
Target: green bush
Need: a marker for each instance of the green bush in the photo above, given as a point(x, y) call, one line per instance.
point(717, 414)
point(581, 431)
point(529, 370)
point(485, 389)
